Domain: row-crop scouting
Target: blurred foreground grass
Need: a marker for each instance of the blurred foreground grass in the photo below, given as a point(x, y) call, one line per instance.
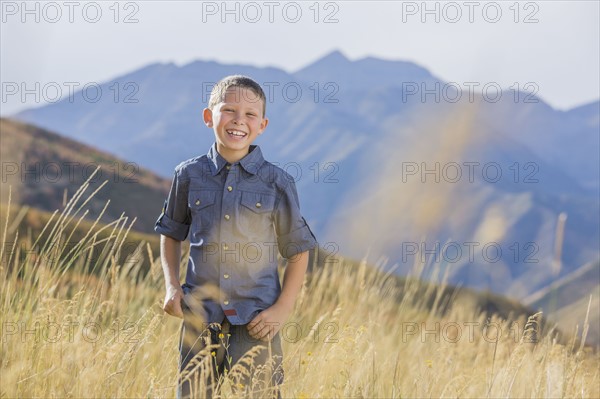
point(75, 325)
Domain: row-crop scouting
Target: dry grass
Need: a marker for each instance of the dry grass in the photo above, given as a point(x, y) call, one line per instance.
point(67, 332)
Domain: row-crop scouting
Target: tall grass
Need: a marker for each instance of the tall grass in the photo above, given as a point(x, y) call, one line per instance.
point(80, 326)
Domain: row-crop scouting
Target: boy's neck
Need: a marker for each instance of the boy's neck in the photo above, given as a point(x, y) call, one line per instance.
point(232, 156)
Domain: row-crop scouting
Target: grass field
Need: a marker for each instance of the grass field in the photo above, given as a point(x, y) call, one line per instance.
point(75, 326)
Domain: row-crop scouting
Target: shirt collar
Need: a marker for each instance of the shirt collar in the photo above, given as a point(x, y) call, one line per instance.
point(251, 162)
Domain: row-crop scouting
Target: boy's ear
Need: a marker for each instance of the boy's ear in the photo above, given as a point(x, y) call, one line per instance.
point(207, 116)
point(263, 125)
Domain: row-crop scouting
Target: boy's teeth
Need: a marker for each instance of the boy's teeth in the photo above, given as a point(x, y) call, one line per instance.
point(236, 133)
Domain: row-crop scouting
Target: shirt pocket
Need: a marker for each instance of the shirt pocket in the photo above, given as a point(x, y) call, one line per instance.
point(202, 206)
point(255, 219)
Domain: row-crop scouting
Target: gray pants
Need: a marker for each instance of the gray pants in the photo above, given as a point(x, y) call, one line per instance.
point(260, 380)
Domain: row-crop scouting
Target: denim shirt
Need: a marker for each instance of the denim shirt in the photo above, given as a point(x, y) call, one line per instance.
point(239, 217)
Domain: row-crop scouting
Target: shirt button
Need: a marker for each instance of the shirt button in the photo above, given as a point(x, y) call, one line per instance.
point(225, 302)
point(226, 276)
point(226, 217)
point(197, 202)
point(229, 188)
point(258, 204)
point(227, 167)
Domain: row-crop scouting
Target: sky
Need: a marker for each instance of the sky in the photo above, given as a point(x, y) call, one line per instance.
point(550, 47)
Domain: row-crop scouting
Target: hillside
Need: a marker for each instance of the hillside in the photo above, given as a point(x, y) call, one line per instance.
point(43, 167)
point(565, 302)
point(356, 333)
point(27, 225)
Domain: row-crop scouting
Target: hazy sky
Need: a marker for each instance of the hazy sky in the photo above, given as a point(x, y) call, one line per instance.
point(554, 44)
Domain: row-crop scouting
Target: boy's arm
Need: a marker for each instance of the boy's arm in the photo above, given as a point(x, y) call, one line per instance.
point(268, 322)
point(170, 256)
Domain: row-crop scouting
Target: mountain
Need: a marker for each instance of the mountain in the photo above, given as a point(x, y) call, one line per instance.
point(373, 155)
point(364, 74)
point(570, 139)
point(498, 232)
point(43, 167)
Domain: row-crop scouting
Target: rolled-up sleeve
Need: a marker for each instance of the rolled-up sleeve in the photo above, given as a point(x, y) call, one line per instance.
point(293, 234)
point(175, 219)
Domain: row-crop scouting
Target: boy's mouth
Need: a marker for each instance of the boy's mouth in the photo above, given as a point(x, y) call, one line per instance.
point(236, 134)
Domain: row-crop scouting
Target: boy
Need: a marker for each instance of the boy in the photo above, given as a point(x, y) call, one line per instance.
point(240, 210)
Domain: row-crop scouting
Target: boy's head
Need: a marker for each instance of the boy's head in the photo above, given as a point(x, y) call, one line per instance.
point(256, 92)
point(236, 113)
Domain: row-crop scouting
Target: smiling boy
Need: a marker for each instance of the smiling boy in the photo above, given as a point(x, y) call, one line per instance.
point(240, 211)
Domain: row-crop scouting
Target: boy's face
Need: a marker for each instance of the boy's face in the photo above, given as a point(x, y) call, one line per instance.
point(237, 121)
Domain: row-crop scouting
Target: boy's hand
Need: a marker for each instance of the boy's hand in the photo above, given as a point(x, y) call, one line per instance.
point(268, 322)
point(173, 300)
